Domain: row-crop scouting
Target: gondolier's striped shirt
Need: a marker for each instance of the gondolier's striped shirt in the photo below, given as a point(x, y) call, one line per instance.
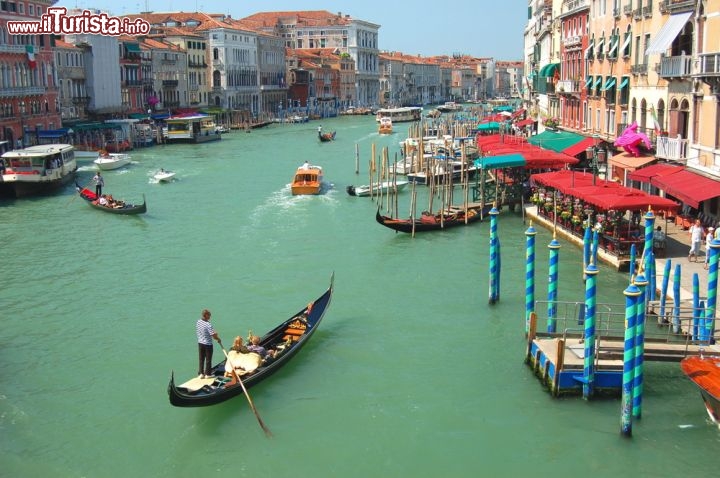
point(204, 331)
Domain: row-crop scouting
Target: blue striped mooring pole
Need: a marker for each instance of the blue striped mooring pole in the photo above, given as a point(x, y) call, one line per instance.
point(494, 266)
point(554, 247)
point(631, 298)
point(529, 274)
point(589, 362)
point(641, 283)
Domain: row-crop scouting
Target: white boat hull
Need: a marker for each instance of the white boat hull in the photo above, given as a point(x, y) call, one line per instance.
point(112, 161)
point(164, 176)
point(381, 188)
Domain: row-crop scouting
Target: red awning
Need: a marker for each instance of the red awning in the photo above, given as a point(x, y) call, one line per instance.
point(518, 113)
point(579, 147)
point(604, 195)
point(525, 122)
point(644, 175)
point(689, 187)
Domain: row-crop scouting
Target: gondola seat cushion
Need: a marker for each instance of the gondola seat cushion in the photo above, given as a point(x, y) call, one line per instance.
point(248, 362)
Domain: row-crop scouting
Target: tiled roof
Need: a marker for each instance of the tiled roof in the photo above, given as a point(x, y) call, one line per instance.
point(303, 18)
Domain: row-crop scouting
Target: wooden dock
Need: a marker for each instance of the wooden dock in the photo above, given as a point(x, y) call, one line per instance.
point(558, 358)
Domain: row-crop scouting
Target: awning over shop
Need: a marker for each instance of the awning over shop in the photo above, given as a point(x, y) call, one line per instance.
point(518, 113)
point(489, 126)
point(668, 33)
point(535, 157)
point(691, 188)
point(579, 147)
point(525, 122)
point(604, 195)
point(644, 175)
point(549, 69)
point(558, 141)
point(630, 162)
point(132, 47)
point(501, 161)
point(53, 133)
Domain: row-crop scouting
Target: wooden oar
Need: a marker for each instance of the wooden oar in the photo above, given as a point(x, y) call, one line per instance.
point(247, 395)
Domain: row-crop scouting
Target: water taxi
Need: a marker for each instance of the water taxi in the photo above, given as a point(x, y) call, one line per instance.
point(37, 169)
point(398, 115)
point(307, 180)
point(191, 129)
point(385, 125)
point(449, 107)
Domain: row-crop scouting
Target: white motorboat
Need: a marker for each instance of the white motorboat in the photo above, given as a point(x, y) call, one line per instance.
point(164, 175)
point(37, 169)
point(381, 188)
point(110, 161)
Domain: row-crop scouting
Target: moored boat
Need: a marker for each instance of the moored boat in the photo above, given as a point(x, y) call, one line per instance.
point(443, 170)
point(376, 189)
point(113, 206)
point(452, 217)
point(191, 129)
point(286, 340)
point(37, 169)
point(705, 373)
point(307, 180)
point(449, 107)
point(108, 161)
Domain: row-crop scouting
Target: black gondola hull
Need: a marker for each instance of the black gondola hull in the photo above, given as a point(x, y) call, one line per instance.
point(127, 209)
point(212, 395)
point(406, 225)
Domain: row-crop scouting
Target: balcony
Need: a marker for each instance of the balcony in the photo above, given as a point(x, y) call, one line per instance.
point(170, 83)
point(637, 13)
point(21, 91)
point(647, 11)
point(168, 61)
point(572, 5)
point(675, 66)
point(4, 48)
point(566, 87)
point(708, 65)
point(617, 12)
point(572, 41)
point(676, 6)
point(640, 69)
point(628, 9)
point(673, 149)
point(80, 100)
point(218, 65)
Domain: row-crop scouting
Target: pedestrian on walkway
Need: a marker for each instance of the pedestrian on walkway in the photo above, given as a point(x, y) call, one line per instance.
point(708, 239)
point(696, 238)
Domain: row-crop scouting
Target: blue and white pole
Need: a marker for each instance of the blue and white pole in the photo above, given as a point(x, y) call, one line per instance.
point(554, 247)
point(529, 274)
point(631, 298)
point(664, 289)
point(493, 213)
point(697, 312)
point(589, 356)
point(641, 283)
point(676, 300)
point(712, 289)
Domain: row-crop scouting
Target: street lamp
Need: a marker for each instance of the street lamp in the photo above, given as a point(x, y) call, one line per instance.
point(595, 154)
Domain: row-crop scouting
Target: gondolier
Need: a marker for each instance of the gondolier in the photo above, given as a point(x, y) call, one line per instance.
point(99, 183)
point(205, 334)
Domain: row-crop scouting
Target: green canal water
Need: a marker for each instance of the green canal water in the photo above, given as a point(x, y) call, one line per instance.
point(411, 373)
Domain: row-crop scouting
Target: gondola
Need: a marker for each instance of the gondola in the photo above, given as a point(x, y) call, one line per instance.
point(433, 222)
point(326, 136)
point(126, 208)
point(286, 339)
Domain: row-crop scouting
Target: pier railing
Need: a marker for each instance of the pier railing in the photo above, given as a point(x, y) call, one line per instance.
point(676, 325)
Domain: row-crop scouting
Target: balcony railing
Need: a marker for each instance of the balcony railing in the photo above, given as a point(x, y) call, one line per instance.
point(647, 11)
point(617, 12)
point(570, 5)
point(674, 149)
point(637, 13)
point(709, 65)
point(4, 48)
point(675, 66)
point(568, 86)
point(628, 9)
point(170, 83)
point(80, 100)
point(21, 91)
point(675, 6)
point(640, 69)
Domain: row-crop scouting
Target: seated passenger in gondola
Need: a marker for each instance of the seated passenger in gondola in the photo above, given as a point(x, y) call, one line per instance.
point(240, 361)
point(102, 201)
point(259, 349)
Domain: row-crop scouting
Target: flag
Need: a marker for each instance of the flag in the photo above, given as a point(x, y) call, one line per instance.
point(30, 50)
point(656, 125)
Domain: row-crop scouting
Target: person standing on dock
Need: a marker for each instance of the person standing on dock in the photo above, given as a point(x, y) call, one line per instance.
point(708, 239)
point(696, 238)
